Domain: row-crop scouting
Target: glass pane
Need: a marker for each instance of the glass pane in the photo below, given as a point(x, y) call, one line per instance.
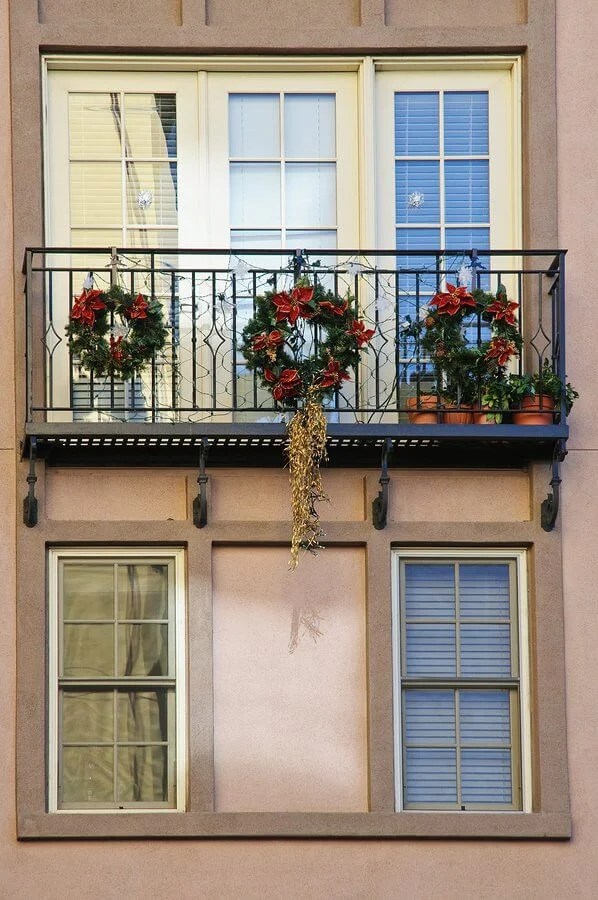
point(150, 125)
point(418, 239)
point(254, 125)
point(142, 715)
point(430, 591)
point(143, 650)
point(255, 195)
point(467, 190)
point(484, 591)
point(465, 123)
point(87, 716)
point(142, 774)
point(429, 717)
point(95, 126)
point(155, 237)
point(416, 124)
point(87, 774)
point(310, 125)
point(143, 591)
point(88, 651)
point(151, 193)
point(417, 191)
point(310, 194)
point(485, 716)
point(88, 591)
point(96, 193)
point(486, 776)
point(314, 240)
point(431, 776)
point(96, 262)
point(431, 650)
point(485, 650)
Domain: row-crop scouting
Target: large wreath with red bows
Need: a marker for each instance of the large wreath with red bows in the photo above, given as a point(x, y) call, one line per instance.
point(113, 333)
point(288, 325)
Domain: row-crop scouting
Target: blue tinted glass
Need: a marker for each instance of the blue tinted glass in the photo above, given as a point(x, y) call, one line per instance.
point(465, 123)
point(470, 239)
point(467, 190)
point(416, 124)
point(418, 191)
point(417, 239)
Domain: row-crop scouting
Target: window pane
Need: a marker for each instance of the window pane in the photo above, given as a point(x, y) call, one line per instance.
point(485, 650)
point(142, 715)
point(417, 191)
point(465, 123)
point(484, 591)
point(313, 240)
point(418, 239)
point(431, 776)
point(310, 125)
point(467, 190)
point(431, 650)
point(143, 650)
point(486, 776)
point(142, 774)
point(87, 716)
point(142, 591)
point(150, 125)
point(87, 775)
point(485, 716)
point(430, 591)
point(95, 126)
point(254, 125)
point(88, 651)
point(310, 194)
point(96, 193)
point(255, 195)
point(151, 193)
point(87, 591)
point(416, 124)
point(429, 717)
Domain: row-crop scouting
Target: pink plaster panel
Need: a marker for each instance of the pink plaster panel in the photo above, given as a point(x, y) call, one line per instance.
point(459, 496)
point(289, 729)
point(251, 496)
point(291, 13)
point(431, 13)
point(113, 495)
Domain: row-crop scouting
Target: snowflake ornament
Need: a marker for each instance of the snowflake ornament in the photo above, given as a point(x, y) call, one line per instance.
point(416, 200)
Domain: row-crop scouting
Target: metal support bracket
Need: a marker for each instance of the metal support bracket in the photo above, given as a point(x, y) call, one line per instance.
point(200, 504)
point(30, 501)
point(550, 506)
point(380, 503)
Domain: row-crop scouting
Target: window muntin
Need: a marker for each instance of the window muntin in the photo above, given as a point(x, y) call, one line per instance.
point(117, 692)
point(459, 694)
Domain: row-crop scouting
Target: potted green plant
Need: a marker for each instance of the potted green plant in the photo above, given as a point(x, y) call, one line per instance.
point(495, 399)
point(537, 395)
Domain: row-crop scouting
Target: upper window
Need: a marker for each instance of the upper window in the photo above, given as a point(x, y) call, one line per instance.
point(461, 710)
point(116, 657)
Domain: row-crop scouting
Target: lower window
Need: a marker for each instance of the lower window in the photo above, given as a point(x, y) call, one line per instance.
point(116, 691)
point(461, 708)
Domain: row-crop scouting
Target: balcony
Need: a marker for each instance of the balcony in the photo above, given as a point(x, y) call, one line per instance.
point(198, 393)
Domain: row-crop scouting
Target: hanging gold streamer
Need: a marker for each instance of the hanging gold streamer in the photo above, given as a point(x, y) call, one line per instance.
point(306, 450)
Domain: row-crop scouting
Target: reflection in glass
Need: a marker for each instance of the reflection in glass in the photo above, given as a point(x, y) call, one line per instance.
point(88, 651)
point(142, 591)
point(94, 126)
point(87, 716)
point(87, 774)
point(142, 715)
point(88, 591)
point(142, 774)
point(150, 125)
point(143, 650)
point(160, 180)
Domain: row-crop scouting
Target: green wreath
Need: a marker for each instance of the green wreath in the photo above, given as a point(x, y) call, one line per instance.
point(91, 323)
point(275, 339)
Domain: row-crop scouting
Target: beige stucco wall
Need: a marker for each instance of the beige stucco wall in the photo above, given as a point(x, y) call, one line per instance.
point(406, 869)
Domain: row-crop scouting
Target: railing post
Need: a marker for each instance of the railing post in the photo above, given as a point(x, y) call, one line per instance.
point(28, 338)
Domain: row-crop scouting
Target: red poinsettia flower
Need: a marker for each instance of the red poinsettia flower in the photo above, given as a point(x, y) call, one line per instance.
point(332, 375)
point(286, 385)
point(503, 309)
point(453, 301)
point(86, 305)
point(334, 308)
point(501, 350)
point(361, 334)
point(138, 309)
point(117, 354)
point(265, 341)
point(290, 306)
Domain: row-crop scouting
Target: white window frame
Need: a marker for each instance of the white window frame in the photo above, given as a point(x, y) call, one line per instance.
point(91, 553)
point(519, 557)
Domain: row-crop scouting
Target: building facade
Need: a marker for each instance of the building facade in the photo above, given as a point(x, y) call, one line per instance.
point(444, 718)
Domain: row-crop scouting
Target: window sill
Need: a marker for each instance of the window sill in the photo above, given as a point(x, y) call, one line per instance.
point(497, 825)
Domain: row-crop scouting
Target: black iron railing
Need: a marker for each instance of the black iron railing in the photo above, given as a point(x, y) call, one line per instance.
point(209, 295)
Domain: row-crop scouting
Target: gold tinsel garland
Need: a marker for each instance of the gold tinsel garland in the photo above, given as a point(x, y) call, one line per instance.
point(306, 450)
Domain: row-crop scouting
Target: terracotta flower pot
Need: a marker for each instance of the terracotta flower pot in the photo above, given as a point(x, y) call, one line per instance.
point(490, 417)
point(458, 415)
point(535, 411)
point(423, 410)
